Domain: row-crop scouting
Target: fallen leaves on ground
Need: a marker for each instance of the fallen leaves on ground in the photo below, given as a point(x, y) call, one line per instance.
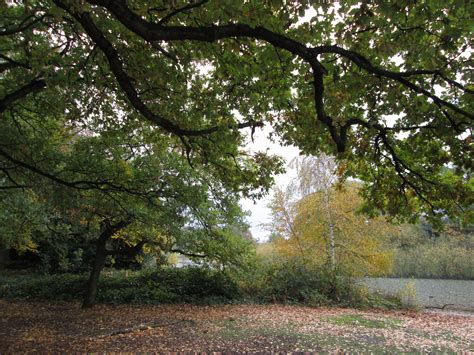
point(64, 327)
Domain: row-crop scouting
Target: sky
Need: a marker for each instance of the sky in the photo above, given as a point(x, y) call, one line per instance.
point(259, 212)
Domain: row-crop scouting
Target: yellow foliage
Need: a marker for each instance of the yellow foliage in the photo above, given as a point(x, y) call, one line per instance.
point(26, 245)
point(173, 259)
point(359, 241)
point(265, 249)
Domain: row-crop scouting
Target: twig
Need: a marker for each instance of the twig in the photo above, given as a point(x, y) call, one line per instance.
point(141, 327)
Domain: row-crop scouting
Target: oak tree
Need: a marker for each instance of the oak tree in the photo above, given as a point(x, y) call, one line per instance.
point(387, 86)
point(116, 188)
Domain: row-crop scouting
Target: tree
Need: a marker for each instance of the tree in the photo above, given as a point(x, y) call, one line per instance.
point(115, 187)
point(318, 174)
point(327, 83)
point(343, 240)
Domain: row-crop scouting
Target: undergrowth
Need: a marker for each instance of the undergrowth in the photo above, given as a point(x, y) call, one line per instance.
point(200, 286)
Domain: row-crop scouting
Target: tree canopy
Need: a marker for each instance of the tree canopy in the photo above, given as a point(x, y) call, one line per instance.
point(117, 189)
point(386, 86)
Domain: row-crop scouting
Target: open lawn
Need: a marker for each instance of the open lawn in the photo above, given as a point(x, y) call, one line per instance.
point(64, 327)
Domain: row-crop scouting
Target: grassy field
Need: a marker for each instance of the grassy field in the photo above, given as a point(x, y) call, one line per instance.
point(63, 327)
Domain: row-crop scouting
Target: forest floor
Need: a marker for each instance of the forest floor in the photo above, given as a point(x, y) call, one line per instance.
point(64, 327)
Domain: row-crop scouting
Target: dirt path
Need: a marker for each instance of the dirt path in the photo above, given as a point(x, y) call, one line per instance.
point(28, 326)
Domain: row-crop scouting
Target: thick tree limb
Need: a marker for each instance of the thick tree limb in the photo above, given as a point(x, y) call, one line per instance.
point(156, 32)
point(125, 82)
point(33, 86)
point(127, 249)
point(141, 327)
point(111, 229)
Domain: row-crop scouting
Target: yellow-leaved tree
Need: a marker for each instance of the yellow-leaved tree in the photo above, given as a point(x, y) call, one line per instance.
point(317, 219)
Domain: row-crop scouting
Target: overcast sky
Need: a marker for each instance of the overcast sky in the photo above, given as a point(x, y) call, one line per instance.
point(259, 213)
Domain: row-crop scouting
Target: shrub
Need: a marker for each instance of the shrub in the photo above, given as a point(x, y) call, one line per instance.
point(286, 282)
point(291, 281)
point(198, 285)
point(47, 287)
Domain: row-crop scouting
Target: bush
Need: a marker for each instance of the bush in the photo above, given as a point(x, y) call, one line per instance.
point(291, 281)
point(48, 287)
point(197, 285)
point(287, 282)
point(168, 285)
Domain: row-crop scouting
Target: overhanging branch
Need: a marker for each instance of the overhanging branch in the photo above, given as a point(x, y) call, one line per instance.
point(126, 85)
point(33, 86)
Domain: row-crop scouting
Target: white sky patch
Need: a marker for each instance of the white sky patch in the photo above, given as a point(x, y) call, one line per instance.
point(397, 59)
point(390, 119)
point(205, 68)
point(259, 212)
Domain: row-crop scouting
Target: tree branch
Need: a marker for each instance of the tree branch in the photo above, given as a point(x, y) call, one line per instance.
point(365, 64)
point(33, 86)
point(24, 25)
point(182, 9)
point(101, 185)
point(110, 230)
point(154, 32)
point(125, 81)
point(127, 249)
point(10, 63)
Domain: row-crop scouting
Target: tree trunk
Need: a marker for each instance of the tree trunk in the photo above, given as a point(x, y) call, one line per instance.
point(4, 256)
point(332, 244)
point(99, 262)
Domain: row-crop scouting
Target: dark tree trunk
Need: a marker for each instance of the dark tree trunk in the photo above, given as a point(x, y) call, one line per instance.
point(4, 256)
point(99, 262)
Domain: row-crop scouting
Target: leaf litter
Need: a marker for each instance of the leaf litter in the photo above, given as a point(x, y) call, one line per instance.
point(64, 327)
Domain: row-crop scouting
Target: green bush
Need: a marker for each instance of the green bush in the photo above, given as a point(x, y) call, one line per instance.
point(47, 287)
point(197, 285)
point(291, 281)
point(286, 282)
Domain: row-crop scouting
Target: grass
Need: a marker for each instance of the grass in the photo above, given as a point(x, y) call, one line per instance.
point(358, 320)
point(281, 335)
point(284, 335)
